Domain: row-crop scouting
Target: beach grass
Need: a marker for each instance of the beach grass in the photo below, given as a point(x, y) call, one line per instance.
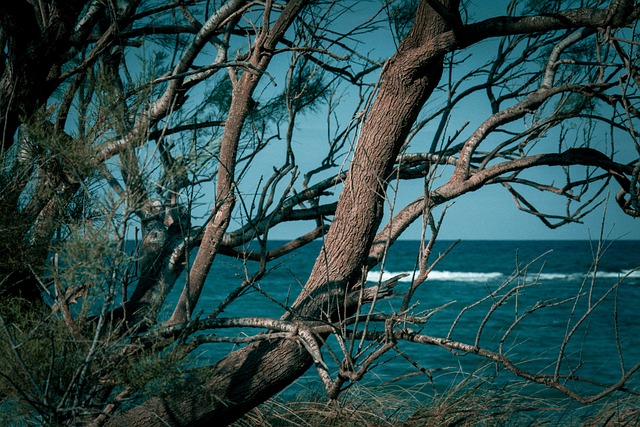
point(469, 403)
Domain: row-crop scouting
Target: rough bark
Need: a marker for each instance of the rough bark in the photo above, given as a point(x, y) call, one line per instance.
point(403, 90)
point(225, 191)
point(254, 373)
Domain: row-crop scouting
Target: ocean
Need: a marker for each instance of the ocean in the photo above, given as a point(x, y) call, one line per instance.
point(586, 322)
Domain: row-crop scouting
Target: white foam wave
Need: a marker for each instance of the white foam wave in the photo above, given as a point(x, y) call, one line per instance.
point(628, 274)
point(631, 274)
point(447, 276)
point(377, 276)
point(557, 276)
point(463, 276)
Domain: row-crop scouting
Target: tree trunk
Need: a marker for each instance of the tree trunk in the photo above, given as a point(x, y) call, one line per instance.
point(249, 376)
point(225, 190)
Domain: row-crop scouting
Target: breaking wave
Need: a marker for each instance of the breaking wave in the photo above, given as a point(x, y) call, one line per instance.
point(463, 276)
point(446, 276)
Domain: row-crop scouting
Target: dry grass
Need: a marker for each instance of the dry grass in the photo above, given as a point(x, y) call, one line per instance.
point(470, 403)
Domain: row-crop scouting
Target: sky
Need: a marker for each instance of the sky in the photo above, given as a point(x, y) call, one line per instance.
point(490, 213)
point(487, 214)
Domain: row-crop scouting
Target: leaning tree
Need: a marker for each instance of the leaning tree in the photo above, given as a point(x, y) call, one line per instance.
point(179, 126)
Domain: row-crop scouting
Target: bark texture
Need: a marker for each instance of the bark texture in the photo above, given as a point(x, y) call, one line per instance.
point(409, 78)
point(225, 191)
point(251, 375)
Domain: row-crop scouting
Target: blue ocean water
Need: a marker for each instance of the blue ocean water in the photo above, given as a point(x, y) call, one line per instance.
point(587, 324)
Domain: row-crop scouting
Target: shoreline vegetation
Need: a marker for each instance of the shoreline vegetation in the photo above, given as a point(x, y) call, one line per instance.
point(474, 401)
point(452, 393)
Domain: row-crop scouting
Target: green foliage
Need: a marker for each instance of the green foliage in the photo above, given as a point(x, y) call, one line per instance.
point(61, 156)
point(12, 232)
point(219, 97)
point(55, 373)
point(576, 103)
point(41, 360)
point(91, 259)
point(150, 370)
point(401, 16)
point(306, 90)
point(60, 368)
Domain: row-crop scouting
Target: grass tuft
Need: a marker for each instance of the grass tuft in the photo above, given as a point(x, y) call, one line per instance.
point(472, 402)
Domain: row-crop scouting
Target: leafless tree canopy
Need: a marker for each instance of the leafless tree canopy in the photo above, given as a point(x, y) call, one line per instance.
point(184, 126)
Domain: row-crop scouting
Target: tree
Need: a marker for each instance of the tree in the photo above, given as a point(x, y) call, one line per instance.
point(112, 122)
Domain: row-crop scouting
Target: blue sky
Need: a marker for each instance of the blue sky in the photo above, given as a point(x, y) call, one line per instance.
point(489, 213)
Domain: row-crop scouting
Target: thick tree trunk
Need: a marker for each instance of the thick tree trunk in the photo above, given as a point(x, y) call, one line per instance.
point(403, 91)
point(254, 373)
